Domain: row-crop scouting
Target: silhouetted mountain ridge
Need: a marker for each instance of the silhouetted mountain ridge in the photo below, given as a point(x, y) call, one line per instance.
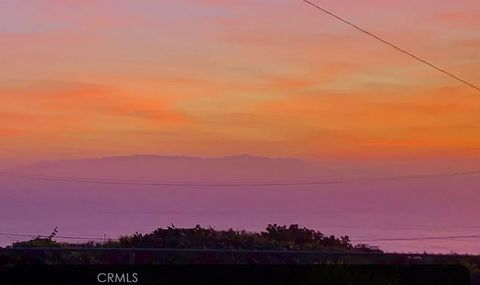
point(178, 168)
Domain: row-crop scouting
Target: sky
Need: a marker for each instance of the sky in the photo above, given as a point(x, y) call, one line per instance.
point(276, 78)
point(84, 78)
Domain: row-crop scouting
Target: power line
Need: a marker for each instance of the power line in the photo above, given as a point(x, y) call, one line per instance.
point(419, 238)
point(353, 240)
point(226, 251)
point(54, 237)
point(167, 184)
point(226, 184)
point(11, 238)
point(394, 46)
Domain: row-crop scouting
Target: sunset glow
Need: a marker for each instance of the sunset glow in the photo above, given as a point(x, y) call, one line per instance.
point(209, 77)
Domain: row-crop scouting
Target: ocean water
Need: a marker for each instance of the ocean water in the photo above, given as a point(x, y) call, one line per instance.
point(367, 212)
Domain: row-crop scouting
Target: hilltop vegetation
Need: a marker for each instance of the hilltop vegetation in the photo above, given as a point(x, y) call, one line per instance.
point(275, 245)
point(274, 237)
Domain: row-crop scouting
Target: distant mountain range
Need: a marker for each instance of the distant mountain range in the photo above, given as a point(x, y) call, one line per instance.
point(179, 168)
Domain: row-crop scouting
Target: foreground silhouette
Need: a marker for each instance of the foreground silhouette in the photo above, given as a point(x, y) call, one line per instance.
point(275, 245)
point(275, 237)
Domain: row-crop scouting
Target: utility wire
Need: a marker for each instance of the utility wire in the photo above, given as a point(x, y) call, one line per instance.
point(419, 238)
point(10, 238)
point(353, 240)
point(54, 237)
point(226, 184)
point(167, 184)
point(378, 38)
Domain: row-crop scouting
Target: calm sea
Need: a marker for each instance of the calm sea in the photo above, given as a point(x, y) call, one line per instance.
point(367, 212)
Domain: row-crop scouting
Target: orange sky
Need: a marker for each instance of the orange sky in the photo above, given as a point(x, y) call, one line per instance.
point(82, 78)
